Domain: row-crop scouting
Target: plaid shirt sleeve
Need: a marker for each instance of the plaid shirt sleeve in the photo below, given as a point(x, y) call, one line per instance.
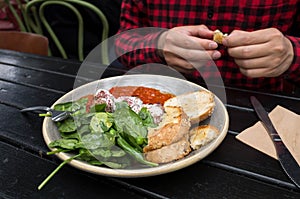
point(293, 72)
point(136, 41)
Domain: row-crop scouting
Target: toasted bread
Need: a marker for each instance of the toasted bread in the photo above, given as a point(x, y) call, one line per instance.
point(202, 135)
point(198, 105)
point(174, 126)
point(174, 151)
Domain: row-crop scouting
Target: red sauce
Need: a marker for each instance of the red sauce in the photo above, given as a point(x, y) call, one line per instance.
point(89, 103)
point(147, 95)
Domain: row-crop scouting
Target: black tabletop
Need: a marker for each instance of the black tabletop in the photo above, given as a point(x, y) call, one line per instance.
point(233, 170)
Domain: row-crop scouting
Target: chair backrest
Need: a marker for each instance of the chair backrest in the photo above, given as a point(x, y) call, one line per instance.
point(24, 42)
point(36, 21)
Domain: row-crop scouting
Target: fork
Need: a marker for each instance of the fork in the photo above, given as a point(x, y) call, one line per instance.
point(56, 116)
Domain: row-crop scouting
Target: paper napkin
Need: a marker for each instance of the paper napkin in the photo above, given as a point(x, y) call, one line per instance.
point(287, 124)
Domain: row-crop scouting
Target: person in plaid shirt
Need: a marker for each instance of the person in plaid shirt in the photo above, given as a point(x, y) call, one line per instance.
point(262, 50)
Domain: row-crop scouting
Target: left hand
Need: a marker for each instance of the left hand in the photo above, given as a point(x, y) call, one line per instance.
point(261, 53)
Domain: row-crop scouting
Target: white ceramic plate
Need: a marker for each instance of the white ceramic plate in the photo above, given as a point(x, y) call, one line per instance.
point(164, 83)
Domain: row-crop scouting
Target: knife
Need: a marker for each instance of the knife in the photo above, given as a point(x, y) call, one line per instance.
point(287, 162)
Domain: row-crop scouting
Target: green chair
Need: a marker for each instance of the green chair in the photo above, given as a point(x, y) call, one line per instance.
point(35, 20)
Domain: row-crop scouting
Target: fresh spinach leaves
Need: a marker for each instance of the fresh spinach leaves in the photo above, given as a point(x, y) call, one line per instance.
point(114, 140)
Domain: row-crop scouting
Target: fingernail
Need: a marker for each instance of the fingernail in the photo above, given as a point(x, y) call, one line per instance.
point(213, 45)
point(216, 55)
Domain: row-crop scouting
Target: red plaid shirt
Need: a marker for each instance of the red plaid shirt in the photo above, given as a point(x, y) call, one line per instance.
point(226, 15)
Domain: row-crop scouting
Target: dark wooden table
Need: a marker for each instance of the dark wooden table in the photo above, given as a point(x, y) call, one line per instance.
point(233, 170)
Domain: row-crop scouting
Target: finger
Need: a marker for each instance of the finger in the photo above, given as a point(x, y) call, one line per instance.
point(179, 62)
point(204, 43)
point(259, 72)
point(196, 54)
point(183, 70)
point(204, 32)
point(190, 42)
point(261, 62)
point(201, 31)
point(250, 51)
point(192, 55)
point(242, 38)
point(252, 63)
point(253, 73)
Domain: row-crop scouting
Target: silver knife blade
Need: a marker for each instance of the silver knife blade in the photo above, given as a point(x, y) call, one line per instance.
point(287, 161)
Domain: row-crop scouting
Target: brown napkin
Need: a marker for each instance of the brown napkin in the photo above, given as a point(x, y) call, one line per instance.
point(286, 123)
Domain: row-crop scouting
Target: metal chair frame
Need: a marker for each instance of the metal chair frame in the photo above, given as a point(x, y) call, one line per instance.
point(35, 18)
point(15, 14)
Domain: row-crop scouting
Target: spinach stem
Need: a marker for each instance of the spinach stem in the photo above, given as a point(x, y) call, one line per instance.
point(56, 170)
point(57, 151)
point(44, 114)
point(137, 155)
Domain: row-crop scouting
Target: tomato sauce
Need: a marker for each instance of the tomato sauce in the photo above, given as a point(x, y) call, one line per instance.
point(90, 102)
point(147, 95)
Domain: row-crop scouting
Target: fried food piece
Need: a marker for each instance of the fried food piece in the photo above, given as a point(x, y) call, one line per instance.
point(219, 36)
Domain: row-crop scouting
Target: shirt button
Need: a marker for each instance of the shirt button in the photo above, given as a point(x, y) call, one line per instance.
point(210, 13)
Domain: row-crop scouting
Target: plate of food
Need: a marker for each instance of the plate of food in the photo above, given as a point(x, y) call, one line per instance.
point(136, 125)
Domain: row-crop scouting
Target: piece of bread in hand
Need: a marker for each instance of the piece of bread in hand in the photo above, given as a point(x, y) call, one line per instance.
point(202, 135)
point(198, 105)
point(174, 126)
point(219, 36)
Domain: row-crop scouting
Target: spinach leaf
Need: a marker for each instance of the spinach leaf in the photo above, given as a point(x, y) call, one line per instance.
point(83, 119)
point(101, 122)
point(96, 140)
point(112, 165)
point(116, 160)
point(67, 126)
point(99, 138)
point(115, 165)
point(63, 106)
point(78, 105)
point(86, 155)
point(68, 135)
point(128, 122)
point(83, 129)
point(98, 108)
point(134, 153)
point(103, 152)
point(70, 144)
point(147, 118)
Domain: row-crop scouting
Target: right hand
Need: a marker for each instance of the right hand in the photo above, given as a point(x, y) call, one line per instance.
point(188, 47)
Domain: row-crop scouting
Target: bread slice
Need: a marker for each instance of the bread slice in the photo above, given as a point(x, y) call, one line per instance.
point(174, 151)
point(202, 135)
point(174, 126)
point(198, 105)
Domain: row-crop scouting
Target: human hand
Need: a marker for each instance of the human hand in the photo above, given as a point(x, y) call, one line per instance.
point(262, 53)
point(188, 47)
